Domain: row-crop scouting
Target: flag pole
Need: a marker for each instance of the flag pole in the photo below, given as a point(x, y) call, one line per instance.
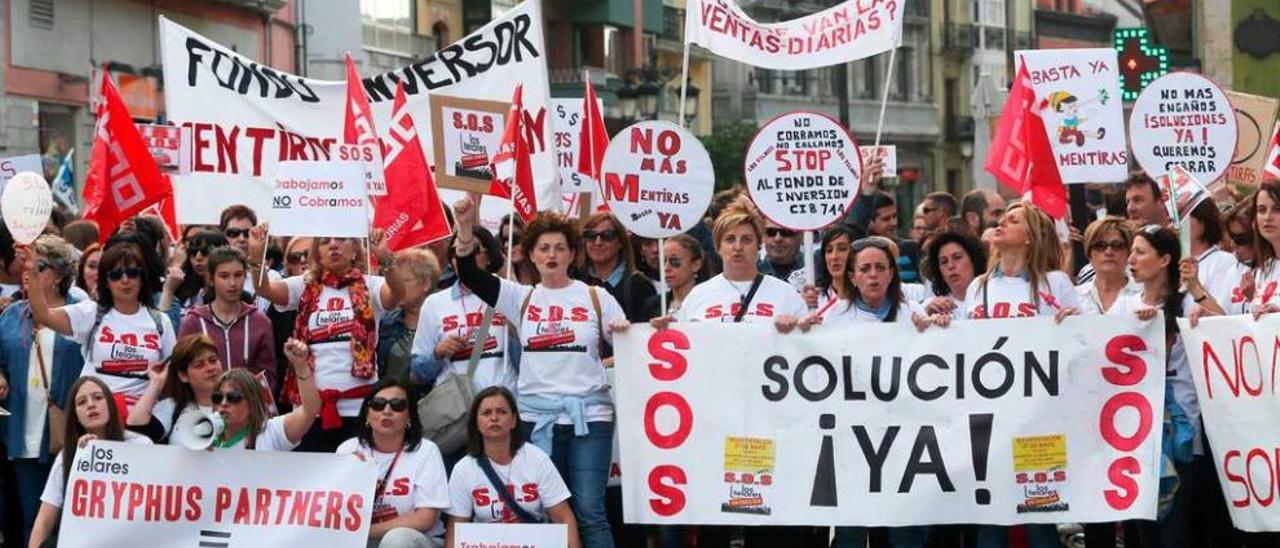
point(662, 242)
point(511, 265)
point(884, 96)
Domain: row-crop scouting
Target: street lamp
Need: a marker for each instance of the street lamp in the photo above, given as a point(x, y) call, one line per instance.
point(627, 101)
point(690, 102)
point(647, 96)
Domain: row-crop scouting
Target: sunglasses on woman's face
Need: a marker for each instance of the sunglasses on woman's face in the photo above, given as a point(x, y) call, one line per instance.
point(198, 250)
point(233, 233)
point(604, 235)
point(132, 273)
point(232, 397)
point(1242, 239)
point(674, 262)
point(397, 404)
point(296, 257)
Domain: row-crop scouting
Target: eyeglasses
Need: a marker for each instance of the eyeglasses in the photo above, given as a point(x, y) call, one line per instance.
point(1115, 245)
point(233, 233)
point(296, 257)
point(43, 265)
point(607, 236)
point(397, 404)
point(1242, 238)
point(876, 242)
point(132, 273)
point(233, 397)
point(773, 232)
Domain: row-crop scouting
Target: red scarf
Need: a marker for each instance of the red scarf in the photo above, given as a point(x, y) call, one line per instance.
point(364, 330)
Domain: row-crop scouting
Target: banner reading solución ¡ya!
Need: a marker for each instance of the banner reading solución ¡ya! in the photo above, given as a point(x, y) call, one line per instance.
point(123, 494)
point(996, 422)
point(246, 118)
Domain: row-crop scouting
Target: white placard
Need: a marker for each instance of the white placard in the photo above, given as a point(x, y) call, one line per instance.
point(1183, 119)
point(320, 199)
point(803, 169)
point(170, 146)
point(1078, 91)
point(511, 535)
point(658, 179)
point(370, 155)
point(26, 205)
point(567, 115)
point(888, 155)
point(14, 165)
point(127, 494)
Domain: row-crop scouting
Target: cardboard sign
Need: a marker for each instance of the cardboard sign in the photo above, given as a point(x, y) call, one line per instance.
point(128, 494)
point(888, 156)
point(1189, 192)
point(320, 199)
point(370, 156)
point(26, 205)
point(521, 535)
point(1183, 119)
point(1078, 95)
point(658, 178)
point(470, 132)
point(1255, 118)
point(803, 170)
point(729, 423)
point(14, 165)
point(169, 145)
point(848, 31)
point(567, 119)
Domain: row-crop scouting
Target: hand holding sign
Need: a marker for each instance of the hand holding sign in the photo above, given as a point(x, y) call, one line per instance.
point(26, 205)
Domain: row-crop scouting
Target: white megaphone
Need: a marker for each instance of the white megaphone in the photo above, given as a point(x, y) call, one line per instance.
point(196, 429)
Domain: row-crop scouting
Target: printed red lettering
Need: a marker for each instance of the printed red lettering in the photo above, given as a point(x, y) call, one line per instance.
point(663, 480)
point(1121, 475)
point(1107, 421)
point(663, 347)
point(1120, 351)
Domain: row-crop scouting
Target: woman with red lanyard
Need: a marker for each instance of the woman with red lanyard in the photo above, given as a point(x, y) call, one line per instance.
point(338, 310)
point(1266, 242)
point(242, 401)
point(122, 336)
point(412, 490)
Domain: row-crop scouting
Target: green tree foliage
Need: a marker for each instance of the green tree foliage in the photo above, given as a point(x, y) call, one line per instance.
point(727, 146)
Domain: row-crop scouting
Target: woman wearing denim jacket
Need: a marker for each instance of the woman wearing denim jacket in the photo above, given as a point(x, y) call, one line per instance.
point(29, 389)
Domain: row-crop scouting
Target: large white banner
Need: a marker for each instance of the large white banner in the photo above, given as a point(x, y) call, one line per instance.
point(849, 31)
point(1233, 361)
point(998, 422)
point(1083, 112)
point(123, 494)
point(246, 118)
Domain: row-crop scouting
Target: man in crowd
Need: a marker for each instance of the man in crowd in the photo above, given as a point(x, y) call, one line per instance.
point(1144, 204)
point(782, 257)
point(235, 223)
point(981, 209)
point(937, 208)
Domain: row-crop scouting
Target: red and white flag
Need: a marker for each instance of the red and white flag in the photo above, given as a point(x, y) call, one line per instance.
point(512, 172)
point(358, 127)
point(592, 140)
point(123, 178)
point(1021, 157)
point(411, 214)
point(1272, 166)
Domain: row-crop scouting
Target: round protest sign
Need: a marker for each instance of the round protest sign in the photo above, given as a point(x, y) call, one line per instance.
point(25, 205)
point(1183, 119)
point(657, 179)
point(803, 170)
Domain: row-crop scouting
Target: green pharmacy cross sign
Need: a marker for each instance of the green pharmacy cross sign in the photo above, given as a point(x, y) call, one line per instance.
point(1140, 62)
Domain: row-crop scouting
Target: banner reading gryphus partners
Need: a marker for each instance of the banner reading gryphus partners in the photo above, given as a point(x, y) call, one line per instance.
point(123, 494)
point(996, 422)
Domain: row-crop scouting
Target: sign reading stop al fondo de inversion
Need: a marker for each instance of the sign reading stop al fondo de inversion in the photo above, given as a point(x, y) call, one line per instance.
point(803, 170)
point(1183, 119)
point(657, 179)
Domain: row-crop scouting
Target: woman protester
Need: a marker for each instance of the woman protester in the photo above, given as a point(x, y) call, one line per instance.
point(32, 385)
point(830, 272)
point(87, 277)
point(241, 400)
point(871, 288)
point(448, 324)
point(187, 382)
point(951, 262)
point(121, 334)
point(195, 275)
point(339, 307)
point(1219, 270)
point(610, 263)
point(242, 333)
point(1107, 241)
point(562, 324)
point(397, 331)
point(498, 462)
point(1266, 244)
point(295, 255)
point(685, 268)
point(95, 417)
point(412, 489)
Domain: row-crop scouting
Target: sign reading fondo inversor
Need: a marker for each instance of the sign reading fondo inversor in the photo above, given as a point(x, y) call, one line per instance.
point(803, 170)
point(1183, 119)
point(658, 179)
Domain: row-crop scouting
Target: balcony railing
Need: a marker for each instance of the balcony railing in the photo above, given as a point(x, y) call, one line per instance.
point(959, 39)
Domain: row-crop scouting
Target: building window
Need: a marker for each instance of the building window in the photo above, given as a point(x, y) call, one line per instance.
point(393, 14)
point(613, 50)
point(40, 13)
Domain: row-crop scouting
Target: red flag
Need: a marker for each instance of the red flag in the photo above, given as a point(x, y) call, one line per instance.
point(512, 172)
point(1272, 165)
point(592, 140)
point(358, 126)
point(411, 214)
point(1021, 157)
point(123, 178)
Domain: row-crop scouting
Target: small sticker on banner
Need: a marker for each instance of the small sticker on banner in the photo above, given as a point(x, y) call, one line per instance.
point(748, 474)
point(1040, 472)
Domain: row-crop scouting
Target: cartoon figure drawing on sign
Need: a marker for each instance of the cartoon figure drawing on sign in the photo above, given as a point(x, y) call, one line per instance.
point(1068, 106)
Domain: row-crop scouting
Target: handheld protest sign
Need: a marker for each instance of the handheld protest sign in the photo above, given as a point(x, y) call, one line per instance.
point(803, 170)
point(26, 205)
point(1183, 119)
point(658, 179)
point(320, 199)
point(1079, 90)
